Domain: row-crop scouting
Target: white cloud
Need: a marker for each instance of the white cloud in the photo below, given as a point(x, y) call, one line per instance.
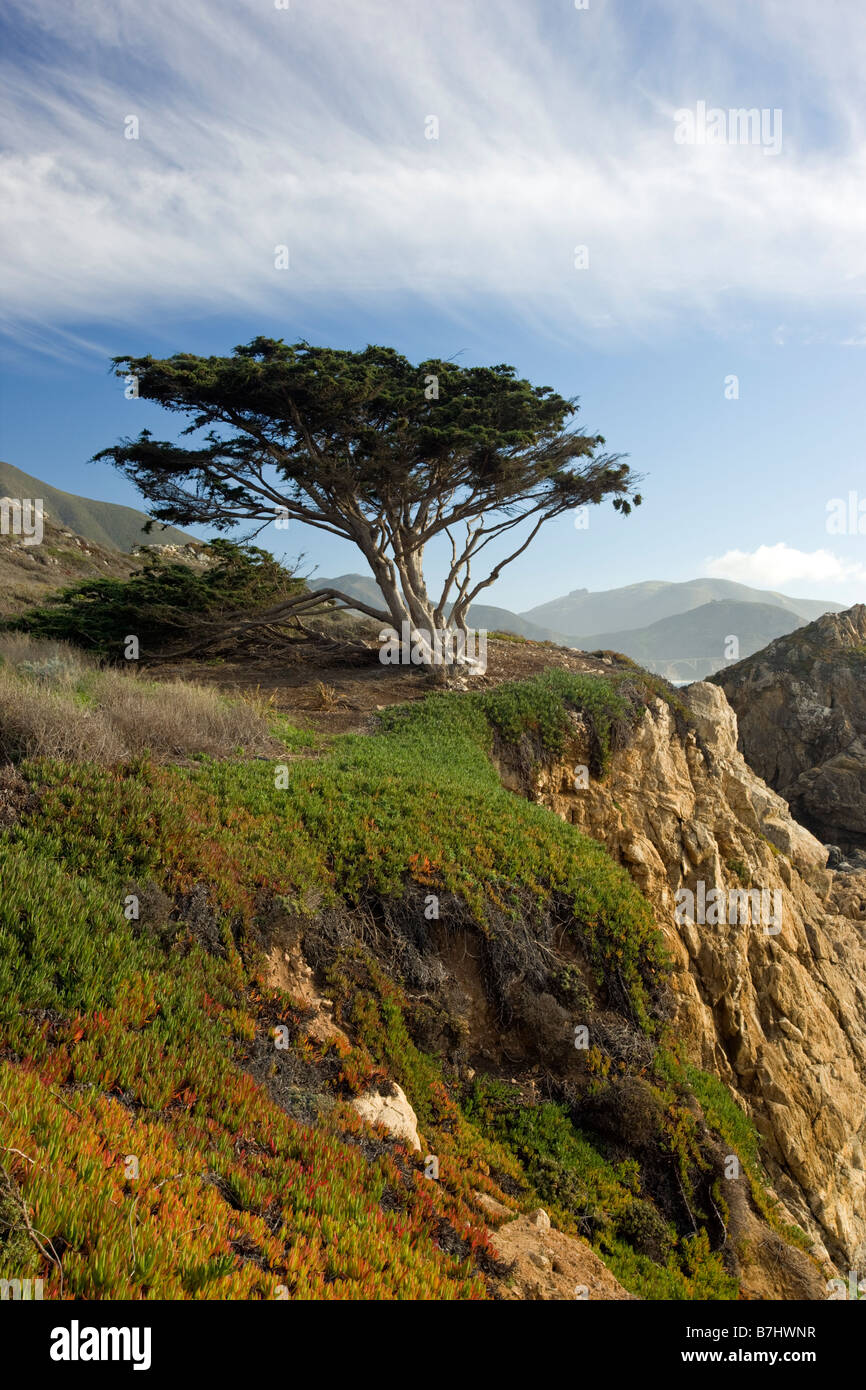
point(305, 127)
point(776, 566)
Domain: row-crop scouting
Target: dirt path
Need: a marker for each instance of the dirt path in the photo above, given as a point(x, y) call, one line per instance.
point(323, 691)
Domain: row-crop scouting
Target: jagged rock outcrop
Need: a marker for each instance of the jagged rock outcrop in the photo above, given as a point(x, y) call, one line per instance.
point(801, 707)
point(776, 1008)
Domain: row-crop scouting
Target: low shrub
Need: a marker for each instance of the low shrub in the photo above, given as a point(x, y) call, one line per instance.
point(163, 602)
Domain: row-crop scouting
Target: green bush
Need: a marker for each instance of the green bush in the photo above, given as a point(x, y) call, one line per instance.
point(162, 603)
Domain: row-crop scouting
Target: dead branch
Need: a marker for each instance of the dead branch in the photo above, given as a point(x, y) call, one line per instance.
point(47, 1250)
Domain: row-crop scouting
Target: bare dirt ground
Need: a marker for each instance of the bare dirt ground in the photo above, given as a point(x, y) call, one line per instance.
point(325, 692)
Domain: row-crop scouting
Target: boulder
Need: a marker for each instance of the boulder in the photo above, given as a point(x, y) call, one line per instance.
point(387, 1106)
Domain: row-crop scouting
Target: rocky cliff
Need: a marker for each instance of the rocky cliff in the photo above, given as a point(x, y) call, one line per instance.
point(774, 1004)
point(801, 707)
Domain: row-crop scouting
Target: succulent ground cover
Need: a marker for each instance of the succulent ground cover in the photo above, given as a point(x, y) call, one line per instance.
point(158, 1142)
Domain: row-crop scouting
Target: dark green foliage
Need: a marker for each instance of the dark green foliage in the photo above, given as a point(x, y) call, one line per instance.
point(560, 1162)
point(603, 1200)
point(539, 709)
point(726, 1118)
point(357, 423)
point(163, 602)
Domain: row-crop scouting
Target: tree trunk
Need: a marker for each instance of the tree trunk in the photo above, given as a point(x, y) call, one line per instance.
point(409, 603)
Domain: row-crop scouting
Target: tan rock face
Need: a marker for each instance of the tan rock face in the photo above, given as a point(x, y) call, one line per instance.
point(286, 969)
point(547, 1264)
point(779, 1012)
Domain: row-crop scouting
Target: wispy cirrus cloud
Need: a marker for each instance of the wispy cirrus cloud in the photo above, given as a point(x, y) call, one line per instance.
point(305, 127)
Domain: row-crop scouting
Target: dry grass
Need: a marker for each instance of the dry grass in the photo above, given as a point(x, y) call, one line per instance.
point(58, 664)
point(57, 703)
point(264, 703)
point(328, 697)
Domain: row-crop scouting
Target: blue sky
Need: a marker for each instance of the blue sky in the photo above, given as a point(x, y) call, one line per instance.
point(307, 127)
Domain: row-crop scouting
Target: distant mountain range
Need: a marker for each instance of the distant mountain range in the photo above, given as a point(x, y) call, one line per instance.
point(691, 645)
point(583, 611)
point(686, 627)
point(108, 524)
point(481, 615)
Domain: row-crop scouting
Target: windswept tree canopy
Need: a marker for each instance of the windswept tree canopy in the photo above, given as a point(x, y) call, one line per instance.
point(368, 447)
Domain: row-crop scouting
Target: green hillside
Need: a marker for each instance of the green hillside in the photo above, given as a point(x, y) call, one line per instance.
point(108, 524)
point(150, 1034)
